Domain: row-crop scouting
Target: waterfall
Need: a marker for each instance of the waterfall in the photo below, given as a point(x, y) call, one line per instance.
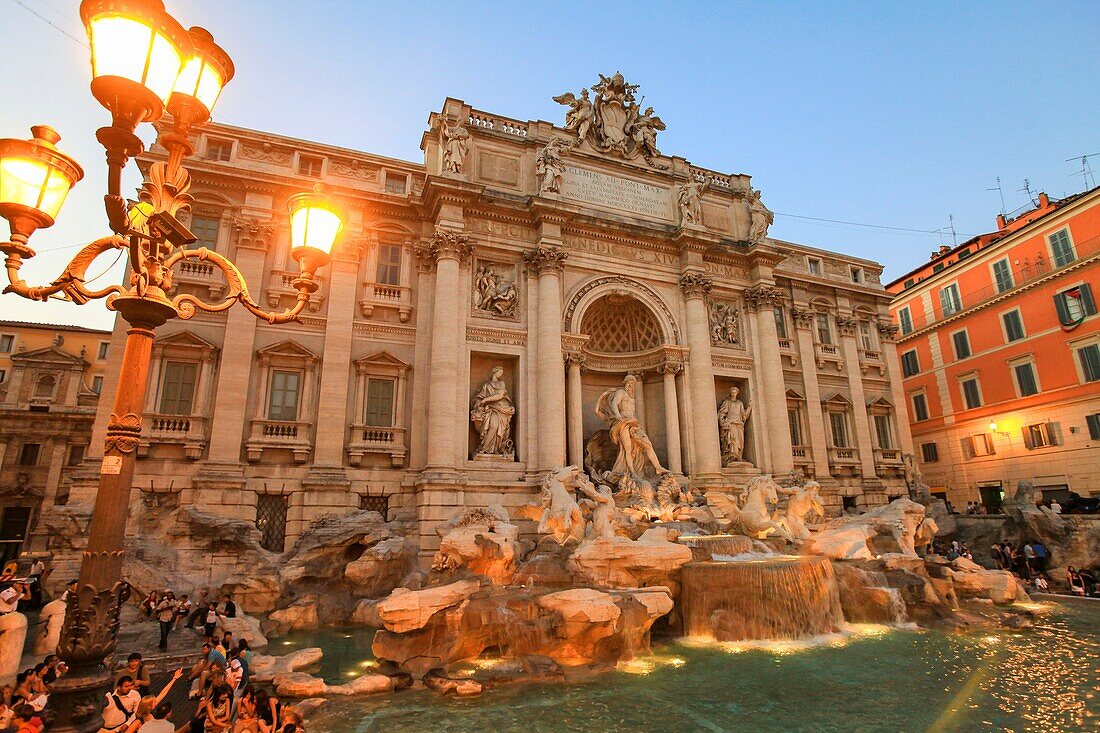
point(782, 597)
point(703, 547)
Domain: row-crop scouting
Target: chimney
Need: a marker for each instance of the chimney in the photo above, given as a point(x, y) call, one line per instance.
point(1002, 222)
point(1044, 200)
point(944, 249)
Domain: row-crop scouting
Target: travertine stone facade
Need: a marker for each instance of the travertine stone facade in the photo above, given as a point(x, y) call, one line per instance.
point(611, 261)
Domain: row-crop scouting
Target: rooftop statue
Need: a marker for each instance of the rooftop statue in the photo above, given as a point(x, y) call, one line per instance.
point(613, 122)
point(761, 217)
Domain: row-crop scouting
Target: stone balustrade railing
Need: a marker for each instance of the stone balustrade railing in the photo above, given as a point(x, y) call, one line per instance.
point(292, 435)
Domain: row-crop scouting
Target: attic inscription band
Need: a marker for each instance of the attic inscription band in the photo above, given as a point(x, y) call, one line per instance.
point(620, 193)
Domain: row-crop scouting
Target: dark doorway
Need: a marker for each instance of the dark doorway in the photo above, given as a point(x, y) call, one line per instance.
point(13, 530)
point(993, 495)
point(848, 503)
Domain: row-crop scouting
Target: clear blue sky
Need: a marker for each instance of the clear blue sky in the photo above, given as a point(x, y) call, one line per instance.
point(889, 113)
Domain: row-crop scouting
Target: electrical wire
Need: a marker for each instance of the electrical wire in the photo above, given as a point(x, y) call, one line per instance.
point(860, 224)
point(50, 23)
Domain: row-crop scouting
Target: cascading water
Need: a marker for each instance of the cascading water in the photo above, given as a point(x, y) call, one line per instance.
point(779, 597)
point(703, 547)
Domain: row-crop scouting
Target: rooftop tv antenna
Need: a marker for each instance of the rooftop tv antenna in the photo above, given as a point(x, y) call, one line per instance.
point(1086, 169)
point(1001, 192)
point(951, 225)
point(1027, 189)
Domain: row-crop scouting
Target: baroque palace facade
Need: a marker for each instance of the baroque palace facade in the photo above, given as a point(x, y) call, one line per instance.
point(480, 303)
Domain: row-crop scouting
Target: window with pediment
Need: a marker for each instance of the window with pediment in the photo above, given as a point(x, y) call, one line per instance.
point(379, 424)
point(177, 406)
point(284, 410)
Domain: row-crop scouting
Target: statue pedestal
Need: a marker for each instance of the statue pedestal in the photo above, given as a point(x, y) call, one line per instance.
point(739, 471)
point(496, 457)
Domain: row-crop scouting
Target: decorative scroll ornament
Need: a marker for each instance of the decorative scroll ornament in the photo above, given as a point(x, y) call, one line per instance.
point(614, 122)
point(803, 317)
point(123, 433)
point(847, 324)
point(696, 284)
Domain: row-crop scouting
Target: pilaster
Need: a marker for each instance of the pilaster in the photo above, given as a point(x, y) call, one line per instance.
point(548, 261)
point(761, 301)
point(847, 326)
point(708, 452)
point(887, 333)
point(815, 419)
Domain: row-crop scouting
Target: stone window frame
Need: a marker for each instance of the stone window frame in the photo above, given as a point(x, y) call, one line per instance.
point(97, 384)
point(389, 440)
point(952, 287)
point(210, 140)
point(103, 350)
point(961, 380)
point(384, 178)
point(294, 435)
point(839, 404)
point(1047, 239)
point(883, 407)
point(924, 453)
point(300, 158)
point(189, 430)
point(965, 331)
point(14, 341)
point(3, 376)
point(796, 403)
point(1004, 325)
point(901, 322)
point(857, 275)
point(376, 294)
point(923, 394)
point(1075, 346)
point(1020, 361)
point(820, 266)
point(39, 376)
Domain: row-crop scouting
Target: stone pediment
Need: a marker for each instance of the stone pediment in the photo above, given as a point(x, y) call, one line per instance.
point(51, 356)
point(185, 340)
point(287, 350)
point(881, 402)
point(381, 359)
point(837, 399)
point(794, 395)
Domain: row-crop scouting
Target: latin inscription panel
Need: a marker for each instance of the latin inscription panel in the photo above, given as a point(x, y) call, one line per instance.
point(600, 189)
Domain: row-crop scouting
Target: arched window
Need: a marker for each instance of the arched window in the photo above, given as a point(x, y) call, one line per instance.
point(45, 386)
point(620, 324)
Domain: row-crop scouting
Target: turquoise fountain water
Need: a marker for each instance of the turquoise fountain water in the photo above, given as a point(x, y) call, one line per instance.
point(878, 679)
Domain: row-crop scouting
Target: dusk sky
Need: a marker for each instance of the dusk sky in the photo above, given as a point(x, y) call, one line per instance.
point(894, 114)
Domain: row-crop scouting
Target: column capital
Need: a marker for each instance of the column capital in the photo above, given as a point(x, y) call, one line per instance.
point(803, 317)
point(444, 244)
point(764, 297)
point(254, 233)
point(544, 259)
point(670, 367)
point(575, 358)
point(696, 284)
point(847, 325)
point(888, 331)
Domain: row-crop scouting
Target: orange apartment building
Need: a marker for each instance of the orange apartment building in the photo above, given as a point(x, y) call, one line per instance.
point(1000, 349)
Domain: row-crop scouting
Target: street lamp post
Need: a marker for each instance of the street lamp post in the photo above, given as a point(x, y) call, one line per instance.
point(143, 62)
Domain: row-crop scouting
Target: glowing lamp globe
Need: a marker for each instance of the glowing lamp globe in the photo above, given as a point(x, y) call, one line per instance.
point(35, 178)
point(138, 51)
point(205, 72)
point(315, 222)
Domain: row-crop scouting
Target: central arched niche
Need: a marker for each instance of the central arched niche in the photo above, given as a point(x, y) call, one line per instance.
point(618, 323)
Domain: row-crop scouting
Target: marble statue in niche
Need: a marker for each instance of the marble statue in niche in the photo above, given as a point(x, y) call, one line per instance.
point(491, 412)
point(456, 142)
point(761, 217)
point(493, 293)
point(635, 451)
point(732, 416)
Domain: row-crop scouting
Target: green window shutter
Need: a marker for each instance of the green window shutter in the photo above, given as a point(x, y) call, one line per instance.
point(1086, 299)
point(1062, 309)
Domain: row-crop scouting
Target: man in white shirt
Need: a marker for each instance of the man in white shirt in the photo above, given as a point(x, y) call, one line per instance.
point(10, 596)
point(160, 722)
point(35, 578)
point(120, 707)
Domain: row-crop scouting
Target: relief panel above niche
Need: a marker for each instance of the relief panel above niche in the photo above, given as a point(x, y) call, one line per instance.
point(494, 168)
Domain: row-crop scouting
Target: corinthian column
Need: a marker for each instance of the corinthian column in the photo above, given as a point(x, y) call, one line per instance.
point(669, 370)
point(548, 262)
point(762, 300)
point(447, 249)
point(847, 326)
point(575, 413)
point(704, 418)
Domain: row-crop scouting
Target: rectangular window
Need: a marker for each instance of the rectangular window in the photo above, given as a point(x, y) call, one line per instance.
point(866, 335)
point(389, 264)
point(177, 391)
point(962, 344)
point(1026, 384)
point(379, 403)
point(824, 334)
point(1089, 356)
point(908, 284)
point(1002, 275)
point(7, 341)
point(977, 445)
point(920, 407)
point(971, 394)
point(839, 428)
point(76, 455)
point(905, 321)
point(1061, 248)
point(1093, 421)
point(271, 521)
point(205, 229)
point(910, 365)
point(218, 149)
point(28, 454)
point(857, 274)
point(795, 422)
point(929, 453)
point(780, 323)
point(950, 300)
point(1014, 325)
point(882, 431)
point(813, 264)
point(396, 184)
point(1037, 436)
point(309, 166)
point(104, 347)
point(97, 384)
point(1074, 305)
point(282, 404)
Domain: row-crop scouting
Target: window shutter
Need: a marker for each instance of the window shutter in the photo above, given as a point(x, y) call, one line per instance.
point(1027, 438)
point(1063, 311)
point(1054, 433)
point(1086, 299)
point(967, 448)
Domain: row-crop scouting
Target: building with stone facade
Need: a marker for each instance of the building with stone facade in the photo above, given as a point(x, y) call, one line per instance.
point(569, 257)
point(50, 380)
point(1000, 350)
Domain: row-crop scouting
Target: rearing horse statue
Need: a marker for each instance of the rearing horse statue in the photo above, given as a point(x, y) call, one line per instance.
point(751, 516)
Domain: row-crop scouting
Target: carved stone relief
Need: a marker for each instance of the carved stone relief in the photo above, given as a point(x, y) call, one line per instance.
point(494, 290)
point(725, 324)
